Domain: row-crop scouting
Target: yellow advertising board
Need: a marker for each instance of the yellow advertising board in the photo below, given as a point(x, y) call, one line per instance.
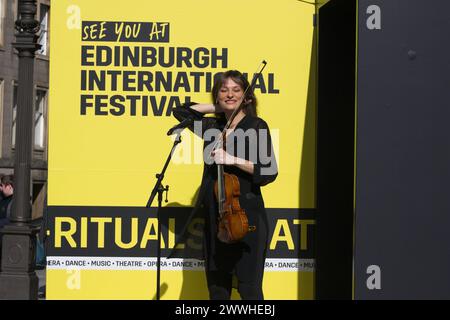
point(117, 71)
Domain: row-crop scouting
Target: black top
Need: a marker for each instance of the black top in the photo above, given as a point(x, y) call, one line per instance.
point(249, 253)
point(5, 210)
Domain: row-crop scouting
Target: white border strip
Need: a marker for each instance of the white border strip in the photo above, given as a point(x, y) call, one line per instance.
point(131, 263)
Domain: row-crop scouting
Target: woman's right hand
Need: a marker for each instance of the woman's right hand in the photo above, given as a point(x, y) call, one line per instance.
point(206, 108)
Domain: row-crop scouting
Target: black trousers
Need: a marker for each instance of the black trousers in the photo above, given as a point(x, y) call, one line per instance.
point(244, 259)
point(220, 285)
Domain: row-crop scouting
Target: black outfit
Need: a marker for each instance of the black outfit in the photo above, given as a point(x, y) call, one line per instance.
point(5, 210)
point(5, 213)
point(246, 258)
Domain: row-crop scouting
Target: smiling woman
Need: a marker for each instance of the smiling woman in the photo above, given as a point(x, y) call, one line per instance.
point(225, 256)
point(228, 93)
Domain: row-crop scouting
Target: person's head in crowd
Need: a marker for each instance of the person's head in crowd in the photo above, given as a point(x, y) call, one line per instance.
point(1, 188)
point(7, 185)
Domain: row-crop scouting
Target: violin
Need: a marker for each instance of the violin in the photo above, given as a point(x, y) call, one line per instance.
point(232, 219)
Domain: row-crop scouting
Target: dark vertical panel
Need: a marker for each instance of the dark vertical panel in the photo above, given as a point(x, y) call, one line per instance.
point(403, 142)
point(335, 150)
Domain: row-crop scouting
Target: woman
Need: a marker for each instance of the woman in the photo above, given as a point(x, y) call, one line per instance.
point(249, 156)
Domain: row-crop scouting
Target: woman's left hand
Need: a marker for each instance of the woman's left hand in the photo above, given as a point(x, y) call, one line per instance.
point(222, 157)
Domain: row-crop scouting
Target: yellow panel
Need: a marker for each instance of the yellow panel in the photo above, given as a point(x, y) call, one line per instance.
point(112, 160)
point(90, 157)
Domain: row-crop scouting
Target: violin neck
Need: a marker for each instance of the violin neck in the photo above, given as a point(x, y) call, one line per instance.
point(221, 188)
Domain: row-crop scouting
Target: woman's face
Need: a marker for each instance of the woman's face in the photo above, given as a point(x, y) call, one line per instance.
point(230, 94)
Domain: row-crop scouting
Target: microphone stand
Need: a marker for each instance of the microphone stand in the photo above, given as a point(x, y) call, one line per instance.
point(160, 189)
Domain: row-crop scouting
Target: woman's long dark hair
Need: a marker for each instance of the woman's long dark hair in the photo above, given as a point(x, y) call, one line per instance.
point(248, 108)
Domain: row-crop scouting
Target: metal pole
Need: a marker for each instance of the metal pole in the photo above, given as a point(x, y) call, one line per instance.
point(18, 279)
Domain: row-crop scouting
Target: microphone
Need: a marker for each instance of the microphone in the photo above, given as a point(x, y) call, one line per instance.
point(183, 124)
